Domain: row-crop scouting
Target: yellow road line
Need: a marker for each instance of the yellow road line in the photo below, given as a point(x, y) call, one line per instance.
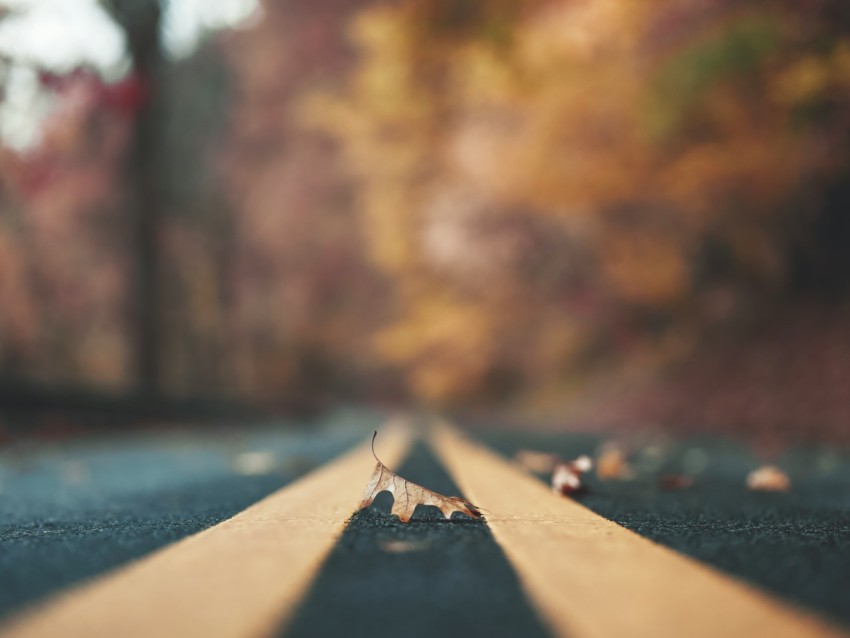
point(240, 578)
point(590, 577)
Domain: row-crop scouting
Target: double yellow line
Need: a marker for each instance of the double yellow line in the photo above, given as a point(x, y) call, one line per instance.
point(591, 578)
point(244, 578)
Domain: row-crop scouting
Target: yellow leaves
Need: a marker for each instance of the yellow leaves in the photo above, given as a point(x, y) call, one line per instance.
point(580, 32)
point(561, 341)
point(814, 77)
point(441, 379)
point(444, 344)
point(383, 114)
point(408, 495)
point(482, 150)
point(751, 171)
point(646, 268)
point(480, 77)
point(389, 234)
point(435, 321)
point(454, 134)
point(385, 87)
point(551, 140)
point(380, 31)
point(804, 81)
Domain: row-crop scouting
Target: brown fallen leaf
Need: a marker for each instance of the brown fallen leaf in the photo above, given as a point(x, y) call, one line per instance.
point(407, 495)
point(534, 461)
point(565, 481)
point(566, 478)
point(611, 464)
point(768, 478)
point(674, 482)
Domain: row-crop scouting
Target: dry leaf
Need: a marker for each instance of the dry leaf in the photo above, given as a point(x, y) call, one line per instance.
point(768, 478)
point(675, 482)
point(407, 495)
point(534, 461)
point(611, 464)
point(566, 478)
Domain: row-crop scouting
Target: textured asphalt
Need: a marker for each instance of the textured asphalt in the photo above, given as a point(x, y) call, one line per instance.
point(794, 544)
point(70, 512)
point(429, 577)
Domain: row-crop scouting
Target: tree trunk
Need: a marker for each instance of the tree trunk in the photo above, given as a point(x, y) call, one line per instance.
point(140, 21)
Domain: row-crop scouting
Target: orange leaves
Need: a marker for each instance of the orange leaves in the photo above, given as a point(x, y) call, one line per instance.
point(445, 343)
point(612, 463)
point(656, 143)
point(407, 495)
point(650, 268)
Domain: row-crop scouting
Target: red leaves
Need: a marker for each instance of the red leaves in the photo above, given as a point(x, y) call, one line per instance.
point(566, 477)
point(128, 95)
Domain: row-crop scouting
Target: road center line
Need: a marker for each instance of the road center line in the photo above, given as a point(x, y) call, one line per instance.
point(592, 578)
point(239, 579)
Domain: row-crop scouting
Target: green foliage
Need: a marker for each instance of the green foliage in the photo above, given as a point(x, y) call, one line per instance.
point(736, 50)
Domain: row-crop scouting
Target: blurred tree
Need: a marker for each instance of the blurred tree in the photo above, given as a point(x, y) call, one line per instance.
point(472, 198)
point(197, 227)
point(65, 238)
point(304, 297)
point(141, 20)
point(670, 153)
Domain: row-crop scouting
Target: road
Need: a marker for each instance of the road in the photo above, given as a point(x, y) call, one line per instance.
point(72, 513)
point(795, 544)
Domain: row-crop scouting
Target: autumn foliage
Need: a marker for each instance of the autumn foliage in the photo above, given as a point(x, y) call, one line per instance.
point(453, 200)
point(541, 179)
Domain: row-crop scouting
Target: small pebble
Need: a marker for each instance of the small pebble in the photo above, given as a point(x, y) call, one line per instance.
point(254, 463)
point(404, 547)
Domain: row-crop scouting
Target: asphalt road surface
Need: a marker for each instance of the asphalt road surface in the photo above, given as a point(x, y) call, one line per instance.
point(430, 576)
point(795, 544)
point(69, 513)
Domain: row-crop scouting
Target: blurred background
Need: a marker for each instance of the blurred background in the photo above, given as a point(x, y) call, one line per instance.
point(596, 212)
